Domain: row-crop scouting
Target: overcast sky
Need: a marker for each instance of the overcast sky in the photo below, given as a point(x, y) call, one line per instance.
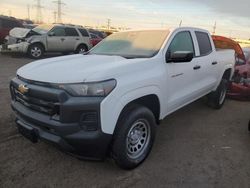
point(232, 17)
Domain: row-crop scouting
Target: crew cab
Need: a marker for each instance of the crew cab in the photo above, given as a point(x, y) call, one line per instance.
point(110, 100)
point(47, 38)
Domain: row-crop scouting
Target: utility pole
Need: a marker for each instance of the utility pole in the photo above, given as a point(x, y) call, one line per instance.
point(180, 23)
point(214, 28)
point(28, 11)
point(108, 24)
point(59, 10)
point(54, 14)
point(39, 16)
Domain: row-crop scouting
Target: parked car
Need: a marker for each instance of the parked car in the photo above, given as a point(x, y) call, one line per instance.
point(110, 100)
point(98, 33)
point(48, 38)
point(94, 39)
point(239, 87)
point(6, 24)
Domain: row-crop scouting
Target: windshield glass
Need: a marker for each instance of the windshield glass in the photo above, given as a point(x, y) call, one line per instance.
point(132, 44)
point(43, 29)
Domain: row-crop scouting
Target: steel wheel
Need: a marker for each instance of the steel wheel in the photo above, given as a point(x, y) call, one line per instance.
point(138, 138)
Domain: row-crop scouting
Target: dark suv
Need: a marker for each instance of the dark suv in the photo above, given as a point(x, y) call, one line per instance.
point(6, 24)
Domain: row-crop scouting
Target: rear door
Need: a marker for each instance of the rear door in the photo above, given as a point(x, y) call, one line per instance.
point(56, 39)
point(72, 38)
point(182, 77)
point(207, 60)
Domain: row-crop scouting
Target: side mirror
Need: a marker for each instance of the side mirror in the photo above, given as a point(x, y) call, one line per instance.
point(51, 34)
point(179, 57)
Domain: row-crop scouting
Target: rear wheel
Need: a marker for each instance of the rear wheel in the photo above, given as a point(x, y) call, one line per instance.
point(217, 98)
point(36, 51)
point(134, 137)
point(81, 49)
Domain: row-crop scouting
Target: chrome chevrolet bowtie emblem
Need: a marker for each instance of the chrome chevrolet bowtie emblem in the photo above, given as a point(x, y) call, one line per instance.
point(23, 89)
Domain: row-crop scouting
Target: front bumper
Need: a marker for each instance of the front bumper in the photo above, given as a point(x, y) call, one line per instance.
point(17, 48)
point(71, 129)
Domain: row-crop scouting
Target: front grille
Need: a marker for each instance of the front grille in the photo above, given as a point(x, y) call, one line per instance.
point(36, 104)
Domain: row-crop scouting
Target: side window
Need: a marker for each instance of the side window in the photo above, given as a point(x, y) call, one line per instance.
point(204, 43)
point(84, 32)
point(93, 36)
point(71, 32)
point(58, 31)
point(8, 24)
point(182, 42)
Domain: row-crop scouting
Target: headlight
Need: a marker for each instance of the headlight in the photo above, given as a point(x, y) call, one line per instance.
point(20, 40)
point(89, 89)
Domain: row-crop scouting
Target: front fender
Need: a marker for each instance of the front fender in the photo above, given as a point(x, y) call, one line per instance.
point(112, 106)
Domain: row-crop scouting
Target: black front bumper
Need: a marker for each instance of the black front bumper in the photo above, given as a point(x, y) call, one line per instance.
point(71, 123)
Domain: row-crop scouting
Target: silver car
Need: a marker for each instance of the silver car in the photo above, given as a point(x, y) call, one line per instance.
point(48, 38)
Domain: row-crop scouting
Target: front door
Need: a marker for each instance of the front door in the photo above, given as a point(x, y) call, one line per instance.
point(56, 40)
point(182, 76)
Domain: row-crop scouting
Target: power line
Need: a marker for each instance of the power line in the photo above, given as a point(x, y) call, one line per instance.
point(59, 10)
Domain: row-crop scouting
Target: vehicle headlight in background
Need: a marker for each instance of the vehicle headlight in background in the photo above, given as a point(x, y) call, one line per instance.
point(98, 89)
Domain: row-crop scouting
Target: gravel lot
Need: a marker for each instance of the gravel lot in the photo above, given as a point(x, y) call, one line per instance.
point(195, 147)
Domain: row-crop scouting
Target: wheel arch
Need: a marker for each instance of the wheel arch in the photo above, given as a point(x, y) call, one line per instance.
point(81, 44)
point(37, 42)
point(114, 105)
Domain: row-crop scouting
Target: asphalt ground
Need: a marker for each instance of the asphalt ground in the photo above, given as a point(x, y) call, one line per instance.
point(195, 147)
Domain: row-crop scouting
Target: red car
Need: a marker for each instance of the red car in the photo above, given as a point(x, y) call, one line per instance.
point(239, 88)
point(94, 39)
point(6, 24)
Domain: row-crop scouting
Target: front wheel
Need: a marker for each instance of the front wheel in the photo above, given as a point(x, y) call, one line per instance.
point(217, 98)
point(134, 137)
point(36, 51)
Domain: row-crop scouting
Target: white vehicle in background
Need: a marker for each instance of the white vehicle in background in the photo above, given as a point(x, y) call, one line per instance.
point(48, 38)
point(110, 100)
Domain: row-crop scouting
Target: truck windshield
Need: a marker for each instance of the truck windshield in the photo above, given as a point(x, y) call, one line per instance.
point(43, 29)
point(132, 44)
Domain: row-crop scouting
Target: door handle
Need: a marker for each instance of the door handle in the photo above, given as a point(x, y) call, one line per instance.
point(77, 39)
point(196, 67)
point(214, 63)
point(62, 39)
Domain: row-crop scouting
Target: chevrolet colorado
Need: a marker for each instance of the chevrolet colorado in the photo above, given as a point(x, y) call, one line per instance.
point(110, 100)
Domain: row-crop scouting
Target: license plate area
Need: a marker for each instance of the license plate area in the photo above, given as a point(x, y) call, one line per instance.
point(28, 132)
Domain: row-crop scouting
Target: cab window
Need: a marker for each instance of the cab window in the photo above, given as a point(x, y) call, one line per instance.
point(182, 42)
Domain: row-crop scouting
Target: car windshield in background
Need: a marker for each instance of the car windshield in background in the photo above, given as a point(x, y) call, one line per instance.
point(43, 29)
point(132, 44)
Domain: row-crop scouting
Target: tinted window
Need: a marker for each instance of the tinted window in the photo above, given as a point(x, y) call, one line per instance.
point(182, 42)
point(58, 31)
point(10, 24)
point(84, 32)
point(93, 36)
point(204, 43)
point(71, 32)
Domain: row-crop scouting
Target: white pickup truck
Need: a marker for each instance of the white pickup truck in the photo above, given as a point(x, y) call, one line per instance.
point(110, 100)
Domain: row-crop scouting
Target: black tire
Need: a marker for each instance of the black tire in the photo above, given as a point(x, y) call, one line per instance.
point(134, 137)
point(217, 98)
point(81, 49)
point(249, 126)
point(36, 51)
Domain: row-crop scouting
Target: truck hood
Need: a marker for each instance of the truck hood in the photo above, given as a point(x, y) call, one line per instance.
point(76, 68)
point(19, 32)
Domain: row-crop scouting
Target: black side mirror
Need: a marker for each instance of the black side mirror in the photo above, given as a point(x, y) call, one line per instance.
point(179, 57)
